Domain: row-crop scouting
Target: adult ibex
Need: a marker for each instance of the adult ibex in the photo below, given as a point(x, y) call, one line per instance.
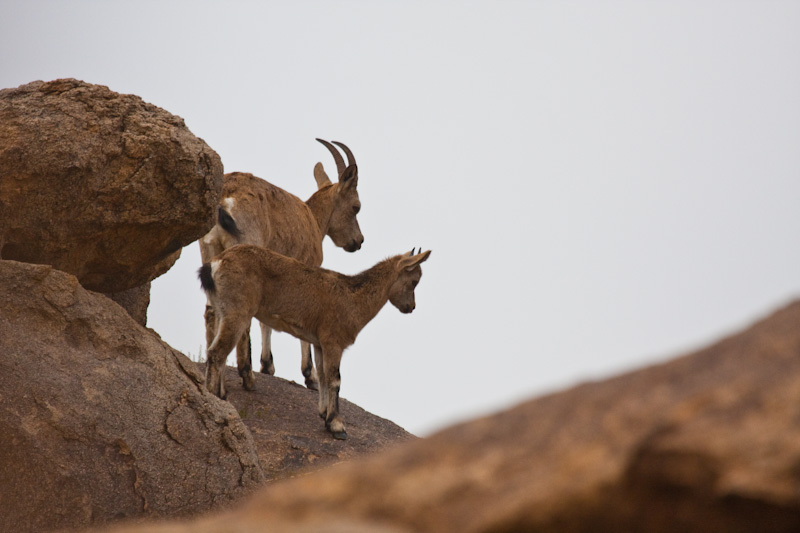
point(253, 211)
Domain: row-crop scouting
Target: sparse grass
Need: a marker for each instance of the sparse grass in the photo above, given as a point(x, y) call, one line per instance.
point(200, 357)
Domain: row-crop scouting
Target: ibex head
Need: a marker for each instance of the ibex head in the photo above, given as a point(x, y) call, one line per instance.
point(343, 227)
point(409, 273)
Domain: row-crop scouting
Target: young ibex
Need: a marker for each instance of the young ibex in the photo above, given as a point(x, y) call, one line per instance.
point(321, 307)
point(253, 211)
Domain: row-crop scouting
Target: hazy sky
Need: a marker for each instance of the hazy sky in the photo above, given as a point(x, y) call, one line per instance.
point(603, 184)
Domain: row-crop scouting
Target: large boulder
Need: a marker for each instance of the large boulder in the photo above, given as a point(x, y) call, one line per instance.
point(101, 420)
point(707, 442)
point(98, 184)
point(291, 437)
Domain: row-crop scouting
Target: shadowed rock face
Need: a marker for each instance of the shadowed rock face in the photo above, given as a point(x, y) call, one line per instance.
point(99, 419)
point(135, 301)
point(98, 184)
point(707, 442)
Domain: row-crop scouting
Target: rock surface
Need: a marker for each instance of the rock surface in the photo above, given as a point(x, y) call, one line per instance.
point(291, 437)
point(98, 184)
point(99, 419)
point(707, 442)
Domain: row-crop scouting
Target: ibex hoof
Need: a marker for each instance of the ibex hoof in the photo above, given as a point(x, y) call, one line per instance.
point(337, 429)
point(249, 382)
point(312, 384)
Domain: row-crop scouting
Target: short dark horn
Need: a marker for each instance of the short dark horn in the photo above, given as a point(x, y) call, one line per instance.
point(336, 156)
point(350, 159)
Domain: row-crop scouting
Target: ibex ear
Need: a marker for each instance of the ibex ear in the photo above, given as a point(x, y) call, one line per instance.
point(410, 261)
point(349, 177)
point(321, 177)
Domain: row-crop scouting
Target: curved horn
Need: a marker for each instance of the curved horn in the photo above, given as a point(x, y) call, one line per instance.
point(350, 159)
point(336, 156)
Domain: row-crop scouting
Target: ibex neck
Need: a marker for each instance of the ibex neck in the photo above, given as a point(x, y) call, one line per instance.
point(321, 204)
point(370, 290)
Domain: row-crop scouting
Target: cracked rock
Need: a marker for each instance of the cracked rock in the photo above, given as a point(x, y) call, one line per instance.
point(99, 419)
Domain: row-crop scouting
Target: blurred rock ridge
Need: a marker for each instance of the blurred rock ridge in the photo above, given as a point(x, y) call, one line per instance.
point(105, 426)
point(706, 442)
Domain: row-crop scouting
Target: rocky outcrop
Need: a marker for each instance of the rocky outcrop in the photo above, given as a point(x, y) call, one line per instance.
point(291, 437)
point(98, 184)
point(707, 442)
point(99, 419)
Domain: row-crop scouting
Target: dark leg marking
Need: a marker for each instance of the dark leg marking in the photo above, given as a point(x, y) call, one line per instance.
point(308, 374)
point(267, 366)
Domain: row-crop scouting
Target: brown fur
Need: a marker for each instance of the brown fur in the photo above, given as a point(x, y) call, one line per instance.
point(319, 306)
point(268, 216)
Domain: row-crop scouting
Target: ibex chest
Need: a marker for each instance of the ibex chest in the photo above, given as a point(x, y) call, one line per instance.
point(280, 323)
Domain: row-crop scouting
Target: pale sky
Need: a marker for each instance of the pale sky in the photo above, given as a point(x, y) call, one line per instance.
point(603, 184)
